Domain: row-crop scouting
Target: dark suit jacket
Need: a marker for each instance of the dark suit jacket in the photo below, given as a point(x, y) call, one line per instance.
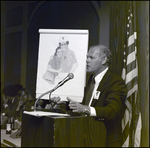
point(110, 104)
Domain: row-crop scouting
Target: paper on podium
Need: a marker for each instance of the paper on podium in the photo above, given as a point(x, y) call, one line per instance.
point(41, 113)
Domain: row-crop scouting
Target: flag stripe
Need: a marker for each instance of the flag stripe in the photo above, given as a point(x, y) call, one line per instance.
point(131, 40)
point(128, 103)
point(131, 75)
point(132, 83)
point(130, 57)
point(138, 132)
point(132, 91)
point(131, 66)
point(126, 130)
point(130, 49)
point(126, 143)
point(125, 119)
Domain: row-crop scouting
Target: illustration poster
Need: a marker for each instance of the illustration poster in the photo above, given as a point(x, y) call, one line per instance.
point(62, 52)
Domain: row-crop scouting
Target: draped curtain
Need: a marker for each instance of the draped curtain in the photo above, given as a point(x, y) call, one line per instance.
point(118, 21)
point(118, 18)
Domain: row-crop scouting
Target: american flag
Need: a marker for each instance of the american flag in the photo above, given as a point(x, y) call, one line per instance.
point(131, 123)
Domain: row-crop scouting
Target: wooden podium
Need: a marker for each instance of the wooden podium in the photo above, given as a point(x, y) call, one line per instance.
point(54, 131)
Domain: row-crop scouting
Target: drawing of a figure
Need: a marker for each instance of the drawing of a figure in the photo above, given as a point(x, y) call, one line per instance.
point(63, 61)
point(68, 60)
point(53, 66)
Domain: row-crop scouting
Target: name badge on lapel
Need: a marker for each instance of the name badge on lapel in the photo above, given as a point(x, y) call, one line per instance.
point(97, 93)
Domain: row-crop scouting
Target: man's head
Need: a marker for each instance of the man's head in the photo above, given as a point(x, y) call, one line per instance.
point(98, 59)
point(63, 43)
point(24, 95)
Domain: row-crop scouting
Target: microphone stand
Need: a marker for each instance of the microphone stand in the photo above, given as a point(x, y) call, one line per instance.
point(50, 91)
point(69, 76)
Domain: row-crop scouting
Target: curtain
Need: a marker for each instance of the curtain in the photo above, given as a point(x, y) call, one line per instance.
point(118, 15)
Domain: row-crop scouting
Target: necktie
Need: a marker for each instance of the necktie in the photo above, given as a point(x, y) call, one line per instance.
point(89, 93)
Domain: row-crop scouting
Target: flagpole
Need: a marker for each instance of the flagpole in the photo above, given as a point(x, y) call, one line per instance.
point(134, 96)
point(134, 102)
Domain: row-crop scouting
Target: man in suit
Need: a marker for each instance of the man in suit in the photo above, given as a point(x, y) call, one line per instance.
point(107, 95)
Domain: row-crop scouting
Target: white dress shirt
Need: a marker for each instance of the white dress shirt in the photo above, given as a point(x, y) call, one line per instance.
point(98, 79)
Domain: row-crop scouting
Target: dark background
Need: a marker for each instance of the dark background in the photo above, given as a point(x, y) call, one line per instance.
point(105, 20)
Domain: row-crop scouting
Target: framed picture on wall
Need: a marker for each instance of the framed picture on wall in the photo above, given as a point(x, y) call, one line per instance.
point(61, 53)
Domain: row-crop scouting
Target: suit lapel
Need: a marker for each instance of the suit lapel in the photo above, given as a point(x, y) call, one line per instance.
point(104, 81)
point(102, 85)
point(87, 88)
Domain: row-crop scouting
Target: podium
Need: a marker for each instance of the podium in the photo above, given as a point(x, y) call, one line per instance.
point(56, 131)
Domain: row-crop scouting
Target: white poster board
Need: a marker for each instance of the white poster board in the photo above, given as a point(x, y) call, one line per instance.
point(78, 45)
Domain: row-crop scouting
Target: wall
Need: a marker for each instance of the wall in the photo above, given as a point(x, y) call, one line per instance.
point(104, 23)
point(20, 38)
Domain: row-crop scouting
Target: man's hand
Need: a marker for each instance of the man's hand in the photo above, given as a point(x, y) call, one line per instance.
point(77, 107)
point(55, 101)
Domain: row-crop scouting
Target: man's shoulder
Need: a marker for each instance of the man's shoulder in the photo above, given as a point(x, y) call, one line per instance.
point(70, 51)
point(114, 75)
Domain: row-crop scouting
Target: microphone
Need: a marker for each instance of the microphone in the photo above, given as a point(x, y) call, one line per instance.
point(67, 78)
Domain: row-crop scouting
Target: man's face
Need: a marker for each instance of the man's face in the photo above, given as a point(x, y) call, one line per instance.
point(23, 96)
point(93, 62)
point(63, 45)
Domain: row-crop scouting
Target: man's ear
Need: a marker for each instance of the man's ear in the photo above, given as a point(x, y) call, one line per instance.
point(104, 60)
